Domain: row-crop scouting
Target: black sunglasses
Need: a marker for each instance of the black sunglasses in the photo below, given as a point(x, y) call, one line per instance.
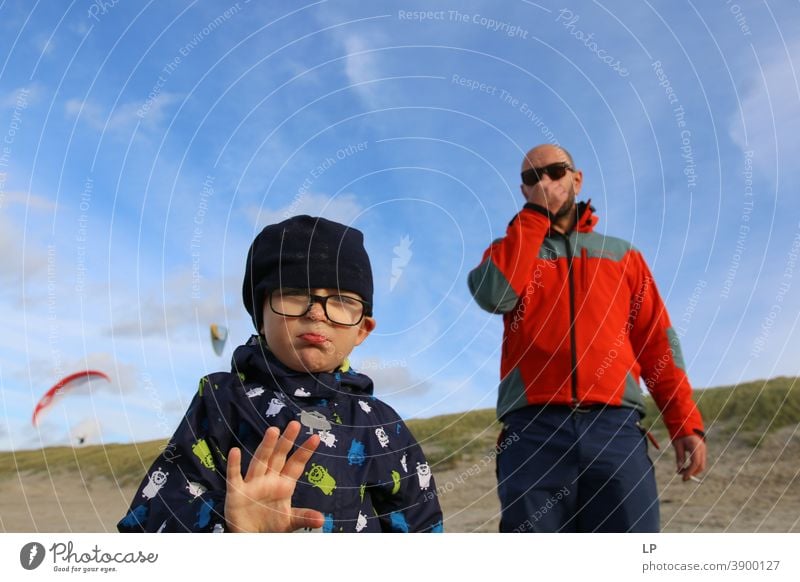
point(531, 176)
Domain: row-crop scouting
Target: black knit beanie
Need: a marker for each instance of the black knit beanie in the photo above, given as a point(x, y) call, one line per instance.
point(305, 252)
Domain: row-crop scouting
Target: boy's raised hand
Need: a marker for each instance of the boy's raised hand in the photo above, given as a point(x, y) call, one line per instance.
point(262, 500)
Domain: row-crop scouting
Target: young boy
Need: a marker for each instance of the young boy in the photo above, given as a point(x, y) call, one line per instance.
point(308, 289)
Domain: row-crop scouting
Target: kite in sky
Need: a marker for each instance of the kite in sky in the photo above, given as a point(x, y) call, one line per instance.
point(64, 386)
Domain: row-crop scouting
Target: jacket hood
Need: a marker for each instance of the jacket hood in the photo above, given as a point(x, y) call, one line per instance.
point(254, 362)
point(587, 219)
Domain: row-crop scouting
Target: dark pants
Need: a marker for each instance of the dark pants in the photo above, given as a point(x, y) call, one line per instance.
point(575, 471)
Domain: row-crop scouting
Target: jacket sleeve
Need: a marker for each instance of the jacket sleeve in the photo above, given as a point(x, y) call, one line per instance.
point(500, 280)
point(658, 352)
point(184, 490)
point(403, 490)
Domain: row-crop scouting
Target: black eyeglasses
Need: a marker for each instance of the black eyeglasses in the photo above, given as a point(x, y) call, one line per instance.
point(531, 176)
point(339, 309)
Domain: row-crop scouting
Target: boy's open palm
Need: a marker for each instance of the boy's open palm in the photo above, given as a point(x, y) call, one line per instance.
point(262, 500)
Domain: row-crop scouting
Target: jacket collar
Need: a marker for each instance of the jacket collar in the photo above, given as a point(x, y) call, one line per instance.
point(256, 363)
point(587, 219)
point(585, 222)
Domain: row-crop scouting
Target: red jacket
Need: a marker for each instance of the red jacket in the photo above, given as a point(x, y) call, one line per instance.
point(583, 321)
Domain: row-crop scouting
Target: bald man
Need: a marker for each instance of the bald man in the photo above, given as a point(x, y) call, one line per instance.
point(583, 324)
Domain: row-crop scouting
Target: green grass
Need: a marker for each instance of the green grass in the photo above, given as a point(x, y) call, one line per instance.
point(123, 463)
point(746, 412)
point(449, 438)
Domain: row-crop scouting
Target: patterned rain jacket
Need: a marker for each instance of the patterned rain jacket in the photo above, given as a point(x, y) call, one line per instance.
point(583, 321)
point(368, 474)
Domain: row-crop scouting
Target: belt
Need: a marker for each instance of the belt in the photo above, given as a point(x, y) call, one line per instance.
point(578, 409)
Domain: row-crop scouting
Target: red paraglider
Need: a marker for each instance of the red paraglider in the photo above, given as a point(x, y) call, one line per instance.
point(67, 383)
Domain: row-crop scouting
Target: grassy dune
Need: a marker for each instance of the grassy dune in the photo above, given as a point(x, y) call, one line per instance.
point(125, 463)
point(747, 413)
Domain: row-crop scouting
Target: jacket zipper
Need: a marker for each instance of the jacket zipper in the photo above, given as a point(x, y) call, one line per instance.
point(584, 270)
point(572, 339)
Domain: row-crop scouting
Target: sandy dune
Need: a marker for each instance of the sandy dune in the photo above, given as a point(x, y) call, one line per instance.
point(745, 490)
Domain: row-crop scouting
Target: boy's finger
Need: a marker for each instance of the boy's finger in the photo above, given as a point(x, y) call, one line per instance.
point(260, 462)
point(296, 464)
point(309, 518)
point(285, 443)
point(234, 472)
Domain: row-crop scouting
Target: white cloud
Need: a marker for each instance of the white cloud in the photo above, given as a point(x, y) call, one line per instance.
point(361, 68)
point(45, 44)
point(17, 263)
point(344, 208)
point(21, 97)
point(302, 71)
point(175, 311)
point(769, 108)
point(125, 116)
point(80, 28)
point(392, 378)
point(32, 201)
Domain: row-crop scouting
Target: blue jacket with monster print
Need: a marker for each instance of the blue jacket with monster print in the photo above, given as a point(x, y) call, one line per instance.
point(368, 474)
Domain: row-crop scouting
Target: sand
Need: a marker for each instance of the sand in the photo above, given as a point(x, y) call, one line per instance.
point(745, 489)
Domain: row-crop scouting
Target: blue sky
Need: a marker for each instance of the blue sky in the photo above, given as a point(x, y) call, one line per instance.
point(142, 146)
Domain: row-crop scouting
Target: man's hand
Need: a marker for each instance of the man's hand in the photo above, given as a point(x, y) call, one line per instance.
point(552, 195)
point(690, 455)
point(262, 500)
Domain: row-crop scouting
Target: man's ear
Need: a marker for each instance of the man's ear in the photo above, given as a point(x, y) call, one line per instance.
point(577, 181)
point(365, 328)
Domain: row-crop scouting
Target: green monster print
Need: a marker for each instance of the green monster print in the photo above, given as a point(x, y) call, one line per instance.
point(202, 386)
point(319, 477)
point(362, 490)
point(204, 381)
point(396, 479)
point(201, 450)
